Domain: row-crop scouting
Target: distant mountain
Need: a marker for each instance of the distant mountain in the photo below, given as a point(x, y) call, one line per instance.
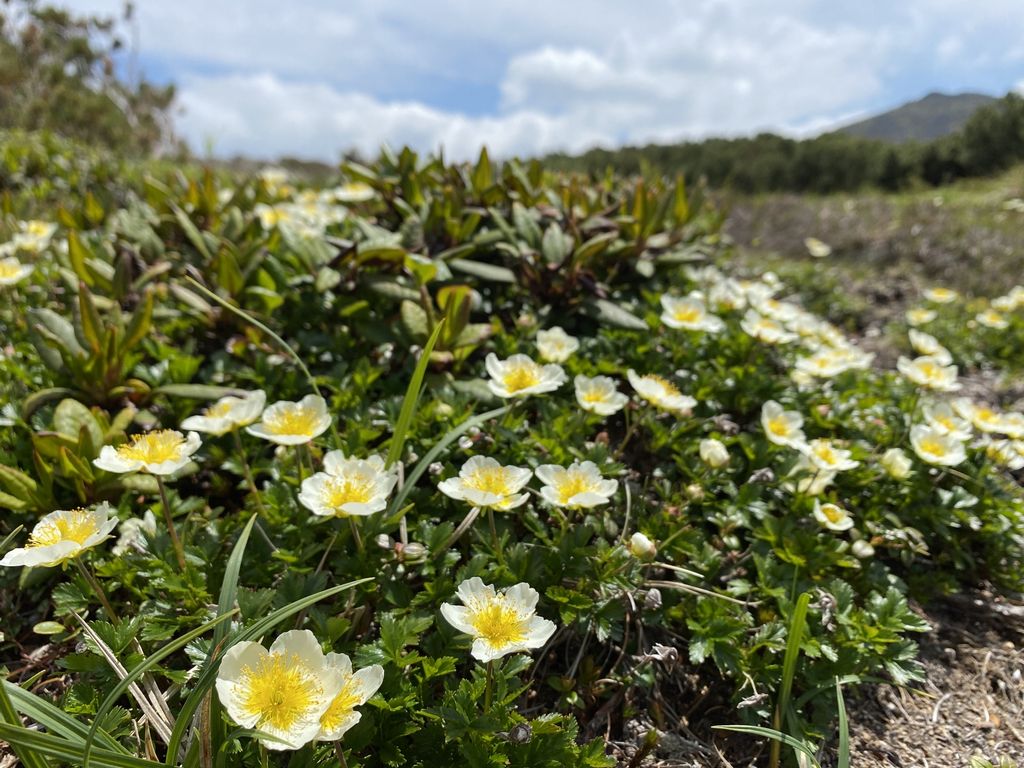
point(934, 116)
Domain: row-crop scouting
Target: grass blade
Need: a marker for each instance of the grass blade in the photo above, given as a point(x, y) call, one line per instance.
point(34, 743)
point(795, 635)
point(55, 720)
point(229, 586)
point(137, 672)
point(844, 728)
point(208, 676)
point(27, 755)
point(412, 396)
point(777, 737)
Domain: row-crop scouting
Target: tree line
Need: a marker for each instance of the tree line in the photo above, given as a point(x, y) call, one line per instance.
point(991, 140)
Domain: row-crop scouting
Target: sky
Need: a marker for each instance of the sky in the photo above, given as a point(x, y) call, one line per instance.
point(313, 78)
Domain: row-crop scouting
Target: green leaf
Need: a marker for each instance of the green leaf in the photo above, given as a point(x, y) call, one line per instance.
point(192, 233)
point(8, 715)
point(612, 314)
point(37, 400)
point(93, 333)
point(197, 391)
point(229, 585)
point(775, 736)
point(491, 272)
point(140, 323)
point(412, 396)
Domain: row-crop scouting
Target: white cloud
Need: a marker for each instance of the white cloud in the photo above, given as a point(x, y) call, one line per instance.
point(313, 78)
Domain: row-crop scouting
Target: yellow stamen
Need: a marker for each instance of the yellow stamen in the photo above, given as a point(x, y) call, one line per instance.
point(341, 707)
point(520, 377)
point(153, 447)
point(77, 525)
point(490, 480)
point(291, 420)
point(347, 490)
point(279, 690)
point(498, 625)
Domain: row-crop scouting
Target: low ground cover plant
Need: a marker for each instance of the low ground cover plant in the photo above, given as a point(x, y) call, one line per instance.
point(452, 464)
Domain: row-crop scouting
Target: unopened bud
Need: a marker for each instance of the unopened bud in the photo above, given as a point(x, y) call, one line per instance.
point(641, 547)
point(714, 453)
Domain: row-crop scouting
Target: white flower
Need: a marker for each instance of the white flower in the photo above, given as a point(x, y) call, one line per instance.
point(941, 295)
point(935, 447)
point(926, 344)
point(816, 248)
point(580, 485)
point(283, 692)
point(690, 314)
point(727, 294)
point(920, 316)
point(992, 319)
point(766, 329)
point(162, 452)
point(13, 271)
point(133, 533)
point(942, 418)
point(811, 480)
point(981, 416)
point(555, 345)
point(348, 486)
point(290, 423)
point(896, 462)
point(1009, 453)
point(520, 376)
point(353, 192)
point(641, 547)
point(356, 689)
point(832, 516)
point(831, 361)
point(661, 393)
point(33, 236)
point(714, 453)
point(500, 623)
point(599, 395)
point(782, 427)
point(929, 372)
point(483, 482)
point(862, 549)
point(228, 414)
point(62, 535)
point(1012, 424)
point(823, 454)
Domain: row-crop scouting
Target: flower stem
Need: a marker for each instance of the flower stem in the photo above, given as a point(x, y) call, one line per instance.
point(494, 536)
point(488, 686)
point(355, 534)
point(97, 589)
point(457, 533)
point(165, 505)
point(248, 473)
point(340, 754)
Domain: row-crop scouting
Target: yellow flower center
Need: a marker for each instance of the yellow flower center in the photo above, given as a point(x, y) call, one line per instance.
point(291, 420)
point(279, 690)
point(521, 376)
point(778, 426)
point(37, 228)
point(933, 446)
point(9, 269)
point(218, 410)
point(77, 526)
point(490, 480)
point(668, 386)
point(498, 625)
point(986, 415)
point(153, 447)
point(347, 490)
point(341, 707)
point(833, 513)
point(571, 484)
point(594, 396)
point(947, 422)
point(687, 314)
point(826, 454)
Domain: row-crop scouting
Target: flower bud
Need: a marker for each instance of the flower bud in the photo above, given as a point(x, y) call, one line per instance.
point(714, 453)
point(862, 549)
point(896, 463)
point(695, 492)
point(641, 547)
